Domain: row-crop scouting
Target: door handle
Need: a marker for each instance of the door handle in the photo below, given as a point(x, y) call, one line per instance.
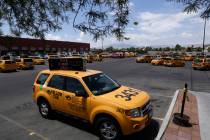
point(68, 97)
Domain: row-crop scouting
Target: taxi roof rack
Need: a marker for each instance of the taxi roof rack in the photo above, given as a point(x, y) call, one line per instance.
point(69, 63)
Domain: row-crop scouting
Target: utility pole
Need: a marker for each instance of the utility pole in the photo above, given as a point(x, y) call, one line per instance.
point(102, 41)
point(204, 35)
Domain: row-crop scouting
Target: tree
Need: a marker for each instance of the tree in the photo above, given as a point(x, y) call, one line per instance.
point(178, 47)
point(109, 49)
point(208, 49)
point(131, 49)
point(189, 49)
point(167, 49)
point(203, 6)
point(38, 17)
point(198, 49)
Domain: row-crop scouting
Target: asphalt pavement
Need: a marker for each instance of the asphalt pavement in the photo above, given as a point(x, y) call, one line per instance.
point(20, 119)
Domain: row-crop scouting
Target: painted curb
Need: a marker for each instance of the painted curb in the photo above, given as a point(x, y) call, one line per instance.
point(167, 117)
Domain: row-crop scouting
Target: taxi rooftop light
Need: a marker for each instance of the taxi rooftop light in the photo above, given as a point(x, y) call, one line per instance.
point(76, 64)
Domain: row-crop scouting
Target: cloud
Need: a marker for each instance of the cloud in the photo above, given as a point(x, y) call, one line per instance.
point(81, 34)
point(131, 4)
point(186, 35)
point(158, 23)
point(53, 37)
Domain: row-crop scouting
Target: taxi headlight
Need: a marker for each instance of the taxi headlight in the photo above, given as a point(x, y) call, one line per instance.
point(133, 112)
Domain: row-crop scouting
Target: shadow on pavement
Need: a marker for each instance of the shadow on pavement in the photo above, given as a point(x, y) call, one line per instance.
point(149, 133)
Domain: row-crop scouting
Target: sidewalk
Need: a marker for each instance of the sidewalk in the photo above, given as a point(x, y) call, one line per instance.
point(175, 132)
point(204, 113)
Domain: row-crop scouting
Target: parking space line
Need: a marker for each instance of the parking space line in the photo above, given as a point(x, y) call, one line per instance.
point(31, 132)
point(157, 118)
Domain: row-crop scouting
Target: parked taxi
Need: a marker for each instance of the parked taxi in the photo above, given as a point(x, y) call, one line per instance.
point(24, 63)
point(113, 109)
point(7, 65)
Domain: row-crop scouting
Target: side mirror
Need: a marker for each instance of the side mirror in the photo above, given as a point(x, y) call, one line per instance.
point(81, 93)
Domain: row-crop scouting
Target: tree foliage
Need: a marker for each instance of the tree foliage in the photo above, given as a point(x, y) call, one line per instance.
point(195, 6)
point(38, 17)
point(178, 47)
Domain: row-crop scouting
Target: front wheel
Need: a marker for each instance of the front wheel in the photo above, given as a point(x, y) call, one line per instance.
point(108, 129)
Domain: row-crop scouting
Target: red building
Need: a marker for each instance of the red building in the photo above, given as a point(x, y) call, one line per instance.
point(26, 45)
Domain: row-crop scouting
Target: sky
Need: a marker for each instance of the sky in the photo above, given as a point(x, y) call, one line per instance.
point(161, 23)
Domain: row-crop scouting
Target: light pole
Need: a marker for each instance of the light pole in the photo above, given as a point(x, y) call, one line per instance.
point(102, 41)
point(204, 34)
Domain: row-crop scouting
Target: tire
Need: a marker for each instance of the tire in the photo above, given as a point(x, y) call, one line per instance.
point(45, 109)
point(108, 128)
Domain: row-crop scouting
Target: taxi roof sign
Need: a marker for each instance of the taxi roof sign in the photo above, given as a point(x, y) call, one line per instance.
point(69, 63)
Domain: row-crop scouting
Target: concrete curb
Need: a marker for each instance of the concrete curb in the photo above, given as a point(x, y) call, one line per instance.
point(167, 116)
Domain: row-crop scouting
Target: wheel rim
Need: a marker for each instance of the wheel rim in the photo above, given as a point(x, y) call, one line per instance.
point(44, 109)
point(108, 130)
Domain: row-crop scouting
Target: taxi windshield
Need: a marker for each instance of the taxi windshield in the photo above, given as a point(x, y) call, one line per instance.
point(100, 84)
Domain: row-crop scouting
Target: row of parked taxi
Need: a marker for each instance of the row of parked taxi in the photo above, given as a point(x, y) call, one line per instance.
point(199, 62)
point(6, 64)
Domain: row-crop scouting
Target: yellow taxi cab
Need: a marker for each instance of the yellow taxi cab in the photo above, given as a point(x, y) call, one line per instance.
point(157, 61)
point(113, 109)
point(37, 60)
point(24, 63)
point(7, 65)
point(144, 59)
point(97, 57)
point(201, 64)
point(105, 54)
point(127, 54)
point(132, 54)
point(174, 62)
point(188, 57)
point(89, 58)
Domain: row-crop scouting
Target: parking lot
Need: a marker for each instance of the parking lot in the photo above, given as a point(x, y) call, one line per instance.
point(20, 119)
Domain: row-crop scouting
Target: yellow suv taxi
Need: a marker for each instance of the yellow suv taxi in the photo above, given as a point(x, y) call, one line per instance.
point(37, 60)
point(113, 109)
point(174, 62)
point(144, 59)
point(24, 63)
point(7, 65)
point(89, 58)
point(188, 57)
point(97, 57)
point(201, 64)
point(157, 61)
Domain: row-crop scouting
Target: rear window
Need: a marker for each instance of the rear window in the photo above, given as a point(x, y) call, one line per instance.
point(9, 62)
point(42, 78)
point(18, 60)
point(28, 60)
point(178, 59)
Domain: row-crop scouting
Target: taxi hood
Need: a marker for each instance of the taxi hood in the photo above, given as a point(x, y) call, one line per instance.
point(127, 97)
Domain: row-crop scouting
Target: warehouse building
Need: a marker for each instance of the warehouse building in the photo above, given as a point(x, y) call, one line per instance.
point(26, 45)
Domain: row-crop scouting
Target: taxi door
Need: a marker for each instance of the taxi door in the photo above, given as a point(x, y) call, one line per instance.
point(72, 103)
point(55, 89)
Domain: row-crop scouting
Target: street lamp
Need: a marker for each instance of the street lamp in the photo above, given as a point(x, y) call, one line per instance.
point(102, 41)
point(204, 34)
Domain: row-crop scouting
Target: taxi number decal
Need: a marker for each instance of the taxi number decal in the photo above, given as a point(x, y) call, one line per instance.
point(127, 94)
point(54, 94)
